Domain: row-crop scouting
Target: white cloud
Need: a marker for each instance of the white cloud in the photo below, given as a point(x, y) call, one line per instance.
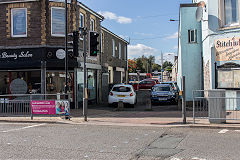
point(175, 47)
point(173, 36)
point(166, 57)
point(138, 50)
point(113, 16)
point(143, 34)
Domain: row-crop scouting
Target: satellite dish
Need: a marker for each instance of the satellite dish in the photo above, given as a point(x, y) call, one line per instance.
point(199, 14)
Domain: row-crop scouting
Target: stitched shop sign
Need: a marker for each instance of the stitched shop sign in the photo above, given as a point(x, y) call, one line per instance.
point(227, 49)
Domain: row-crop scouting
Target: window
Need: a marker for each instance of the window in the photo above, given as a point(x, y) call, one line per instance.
point(19, 22)
point(92, 25)
point(120, 51)
point(113, 47)
point(192, 36)
point(231, 12)
point(81, 20)
point(125, 52)
point(58, 22)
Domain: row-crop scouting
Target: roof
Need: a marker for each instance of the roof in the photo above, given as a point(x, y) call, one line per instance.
point(189, 5)
point(106, 30)
point(16, 1)
point(90, 10)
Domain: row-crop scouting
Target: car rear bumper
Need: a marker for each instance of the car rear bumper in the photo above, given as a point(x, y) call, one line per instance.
point(112, 100)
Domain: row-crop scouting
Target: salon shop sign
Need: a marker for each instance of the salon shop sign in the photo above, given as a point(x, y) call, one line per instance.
point(227, 49)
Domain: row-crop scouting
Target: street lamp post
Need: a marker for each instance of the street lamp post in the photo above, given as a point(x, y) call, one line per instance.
point(66, 48)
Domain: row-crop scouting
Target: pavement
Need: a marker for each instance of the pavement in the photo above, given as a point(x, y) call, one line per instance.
point(160, 116)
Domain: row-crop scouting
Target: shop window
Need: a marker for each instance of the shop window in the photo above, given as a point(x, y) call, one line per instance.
point(192, 36)
point(231, 12)
point(58, 22)
point(92, 24)
point(229, 79)
point(19, 22)
point(32, 79)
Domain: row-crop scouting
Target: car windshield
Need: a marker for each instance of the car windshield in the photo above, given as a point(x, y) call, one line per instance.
point(161, 88)
point(121, 89)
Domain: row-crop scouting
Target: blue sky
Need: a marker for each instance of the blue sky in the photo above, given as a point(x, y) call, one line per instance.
point(145, 22)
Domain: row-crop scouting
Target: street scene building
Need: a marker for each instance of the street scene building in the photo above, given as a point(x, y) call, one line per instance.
point(208, 46)
point(32, 49)
point(114, 60)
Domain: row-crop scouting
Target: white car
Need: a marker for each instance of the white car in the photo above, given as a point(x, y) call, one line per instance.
point(124, 93)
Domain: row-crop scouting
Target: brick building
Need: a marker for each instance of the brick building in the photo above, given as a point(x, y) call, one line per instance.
point(114, 59)
point(31, 47)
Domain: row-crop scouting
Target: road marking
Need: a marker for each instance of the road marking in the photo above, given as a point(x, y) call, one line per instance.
point(37, 125)
point(114, 146)
point(196, 158)
point(125, 142)
point(176, 159)
point(237, 130)
point(8, 143)
point(146, 134)
point(223, 131)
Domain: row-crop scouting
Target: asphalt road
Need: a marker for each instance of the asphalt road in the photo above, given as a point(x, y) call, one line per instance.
point(64, 141)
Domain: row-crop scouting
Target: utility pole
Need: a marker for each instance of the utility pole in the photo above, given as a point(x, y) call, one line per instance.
point(66, 47)
point(85, 95)
point(162, 67)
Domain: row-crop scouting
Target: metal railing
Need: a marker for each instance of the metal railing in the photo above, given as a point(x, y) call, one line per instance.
point(20, 104)
point(216, 106)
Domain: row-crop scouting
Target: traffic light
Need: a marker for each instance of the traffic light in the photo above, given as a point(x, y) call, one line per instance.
point(94, 43)
point(74, 43)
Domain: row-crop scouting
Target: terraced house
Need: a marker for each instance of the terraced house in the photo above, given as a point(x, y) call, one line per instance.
point(32, 48)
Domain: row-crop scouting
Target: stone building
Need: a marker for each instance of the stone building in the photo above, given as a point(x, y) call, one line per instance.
point(32, 47)
point(114, 59)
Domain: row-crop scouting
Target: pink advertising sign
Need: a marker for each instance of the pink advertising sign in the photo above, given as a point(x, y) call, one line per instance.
point(43, 107)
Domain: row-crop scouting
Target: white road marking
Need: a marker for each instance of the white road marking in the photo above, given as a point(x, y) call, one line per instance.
point(237, 130)
point(101, 151)
point(146, 134)
point(196, 158)
point(176, 159)
point(114, 146)
point(86, 156)
point(125, 142)
point(136, 138)
point(8, 143)
point(17, 129)
point(223, 131)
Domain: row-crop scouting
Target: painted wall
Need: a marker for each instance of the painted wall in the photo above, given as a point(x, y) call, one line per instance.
point(189, 61)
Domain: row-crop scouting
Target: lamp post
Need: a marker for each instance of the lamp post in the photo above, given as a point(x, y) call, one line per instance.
point(66, 48)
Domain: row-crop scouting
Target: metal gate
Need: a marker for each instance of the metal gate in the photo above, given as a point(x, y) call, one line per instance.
point(215, 105)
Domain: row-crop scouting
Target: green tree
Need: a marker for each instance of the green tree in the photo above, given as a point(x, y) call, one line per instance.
point(156, 67)
point(166, 64)
point(139, 65)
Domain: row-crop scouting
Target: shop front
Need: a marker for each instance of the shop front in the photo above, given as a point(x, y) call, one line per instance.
point(35, 71)
point(92, 84)
point(227, 66)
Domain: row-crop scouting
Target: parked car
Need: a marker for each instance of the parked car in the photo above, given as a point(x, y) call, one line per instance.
point(147, 83)
point(174, 87)
point(124, 93)
point(163, 93)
